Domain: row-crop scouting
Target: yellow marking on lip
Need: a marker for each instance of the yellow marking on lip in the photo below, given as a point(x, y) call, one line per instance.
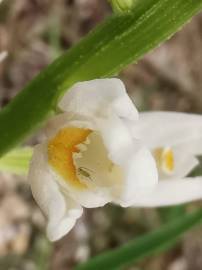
point(165, 159)
point(60, 153)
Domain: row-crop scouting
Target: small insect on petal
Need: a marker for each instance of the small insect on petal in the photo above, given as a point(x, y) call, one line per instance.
point(84, 172)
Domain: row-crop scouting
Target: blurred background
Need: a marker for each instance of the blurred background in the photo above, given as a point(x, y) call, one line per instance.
point(35, 32)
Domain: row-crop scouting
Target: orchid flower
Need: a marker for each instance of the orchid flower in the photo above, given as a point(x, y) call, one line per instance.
point(89, 157)
point(95, 153)
point(175, 142)
point(175, 139)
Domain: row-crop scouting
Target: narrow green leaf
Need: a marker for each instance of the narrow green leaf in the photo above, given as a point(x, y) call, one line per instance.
point(16, 161)
point(144, 246)
point(171, 212)
point(114, 44)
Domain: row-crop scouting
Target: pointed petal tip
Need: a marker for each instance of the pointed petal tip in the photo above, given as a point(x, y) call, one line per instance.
point(57, 231)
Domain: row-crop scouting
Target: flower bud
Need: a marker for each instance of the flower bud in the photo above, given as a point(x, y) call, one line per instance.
point(121, 5)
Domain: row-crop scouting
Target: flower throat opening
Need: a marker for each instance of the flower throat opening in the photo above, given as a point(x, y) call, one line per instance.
point(80, 157)
point(60, 153)
point(165, 159)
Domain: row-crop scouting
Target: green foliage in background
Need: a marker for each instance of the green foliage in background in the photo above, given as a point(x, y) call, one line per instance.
point(147, 245)
point(16, 161)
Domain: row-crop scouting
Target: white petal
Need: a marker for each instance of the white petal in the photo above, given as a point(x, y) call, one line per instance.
point(89, 197)
point(171, 192)
point(116, 137)
point(141, 175)
point(55, 229)
point(193, 147)
point(168, 128)
point(96, 97)
point(61, 211)
point(136, 161)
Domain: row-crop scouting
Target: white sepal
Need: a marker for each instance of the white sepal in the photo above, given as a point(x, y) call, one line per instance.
point(177, 191)
point(94, 98)
point(168, 128)
point(61, 211)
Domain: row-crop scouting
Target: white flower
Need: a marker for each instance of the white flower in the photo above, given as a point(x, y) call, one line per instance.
point(175, 140)
point(177, 134)
point(96, 152)
point(90, 157)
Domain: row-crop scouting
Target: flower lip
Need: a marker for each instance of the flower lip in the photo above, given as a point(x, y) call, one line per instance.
point(80, 157)
point(165, 160)
point(181, 132)
point(93, 163)
point(60, 153)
